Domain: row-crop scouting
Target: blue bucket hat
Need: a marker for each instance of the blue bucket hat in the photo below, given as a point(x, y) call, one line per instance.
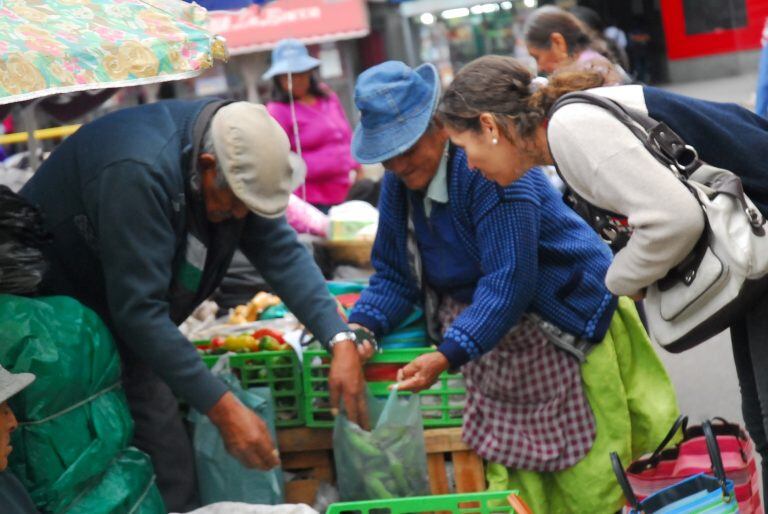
point(396, 103)
point(290, 56)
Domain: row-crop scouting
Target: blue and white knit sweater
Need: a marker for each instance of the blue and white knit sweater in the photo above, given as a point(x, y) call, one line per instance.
point(536, 255)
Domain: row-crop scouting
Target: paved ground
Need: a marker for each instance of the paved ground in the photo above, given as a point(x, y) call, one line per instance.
point(705, 380)
point(739, 89)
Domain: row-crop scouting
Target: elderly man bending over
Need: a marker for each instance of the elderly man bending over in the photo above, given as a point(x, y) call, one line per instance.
point(147, 206)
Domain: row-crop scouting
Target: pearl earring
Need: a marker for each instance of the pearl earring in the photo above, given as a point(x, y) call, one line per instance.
point(495, 141)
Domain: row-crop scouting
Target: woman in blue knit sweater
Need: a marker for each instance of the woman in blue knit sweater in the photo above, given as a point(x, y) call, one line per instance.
point(504, 122)
point(551, 358)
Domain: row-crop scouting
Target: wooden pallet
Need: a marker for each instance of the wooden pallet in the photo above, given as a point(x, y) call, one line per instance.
point(310, 452)
point(443, 444)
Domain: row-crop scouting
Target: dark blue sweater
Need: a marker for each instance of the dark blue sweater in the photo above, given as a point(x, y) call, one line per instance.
point(448, 266)
point(536, 256)
point(725, 135)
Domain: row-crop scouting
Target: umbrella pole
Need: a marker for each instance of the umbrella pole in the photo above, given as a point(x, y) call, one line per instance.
point(30, 123)
point(296, 136)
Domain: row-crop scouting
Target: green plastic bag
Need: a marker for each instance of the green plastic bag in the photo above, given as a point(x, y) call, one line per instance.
point(220, 476)
point(74, 421)
point(390, 461)
point(128, 486)
point(634, 404)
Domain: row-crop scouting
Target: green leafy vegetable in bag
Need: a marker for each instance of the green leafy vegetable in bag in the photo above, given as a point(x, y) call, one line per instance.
point(387, 462)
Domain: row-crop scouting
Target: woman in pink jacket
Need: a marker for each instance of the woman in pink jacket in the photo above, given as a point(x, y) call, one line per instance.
point(324, 134)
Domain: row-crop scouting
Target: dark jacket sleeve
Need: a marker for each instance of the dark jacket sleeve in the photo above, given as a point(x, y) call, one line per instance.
point(14, 498)
point(132, 217)
point(507, 233)
point(273, 248)
point(393, 291)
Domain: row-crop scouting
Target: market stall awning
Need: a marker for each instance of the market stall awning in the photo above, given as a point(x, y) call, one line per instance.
point(63, 46)
point(312, 21)
point(224, 5)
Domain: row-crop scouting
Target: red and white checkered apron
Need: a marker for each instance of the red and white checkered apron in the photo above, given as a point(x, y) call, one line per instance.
point(525, 406)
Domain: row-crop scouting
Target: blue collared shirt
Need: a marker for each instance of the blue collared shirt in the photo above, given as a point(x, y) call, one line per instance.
point(437, 191)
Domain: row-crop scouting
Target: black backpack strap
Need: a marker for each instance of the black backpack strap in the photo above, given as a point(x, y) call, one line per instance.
point(192, 151)
point(201, 125)
point(602, 221)
point(663, 143)
point(606, 223)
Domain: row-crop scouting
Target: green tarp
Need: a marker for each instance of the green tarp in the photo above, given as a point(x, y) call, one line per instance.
point(70, 449)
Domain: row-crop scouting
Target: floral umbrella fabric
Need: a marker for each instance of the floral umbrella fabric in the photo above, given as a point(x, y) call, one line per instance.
point(62, 46)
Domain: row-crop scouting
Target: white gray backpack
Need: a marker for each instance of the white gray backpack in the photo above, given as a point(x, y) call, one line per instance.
point(728, 269)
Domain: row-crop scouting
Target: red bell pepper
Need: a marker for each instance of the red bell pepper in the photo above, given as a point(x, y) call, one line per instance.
point(262, 332)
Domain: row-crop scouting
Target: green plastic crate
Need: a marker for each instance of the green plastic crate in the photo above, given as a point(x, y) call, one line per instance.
point(441, 406)
point(280, 371)
point(470, 503)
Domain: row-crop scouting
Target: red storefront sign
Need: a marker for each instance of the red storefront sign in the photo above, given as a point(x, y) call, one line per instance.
point(692, 33)
point(311, 21)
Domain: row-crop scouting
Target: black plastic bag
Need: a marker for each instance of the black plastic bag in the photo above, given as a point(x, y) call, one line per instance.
point(22, 236)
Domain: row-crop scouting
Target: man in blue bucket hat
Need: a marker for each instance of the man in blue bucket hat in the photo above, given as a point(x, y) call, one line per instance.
point(397, 105)
point(398, 129)
point(447, 237)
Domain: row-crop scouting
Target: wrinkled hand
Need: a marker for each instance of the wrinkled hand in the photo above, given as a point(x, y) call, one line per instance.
point(366, 349)
point(245, 434)
point(346, 382)
point(422, 372)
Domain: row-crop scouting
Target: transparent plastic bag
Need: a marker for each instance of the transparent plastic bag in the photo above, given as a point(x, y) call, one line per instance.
point(390, 461)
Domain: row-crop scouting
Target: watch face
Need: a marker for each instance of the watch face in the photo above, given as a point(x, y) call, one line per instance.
point(343, 336)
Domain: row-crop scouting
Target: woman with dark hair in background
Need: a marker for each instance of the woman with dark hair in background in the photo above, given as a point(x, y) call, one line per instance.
point(316, 124)
point(599, 31)
point(559, 40)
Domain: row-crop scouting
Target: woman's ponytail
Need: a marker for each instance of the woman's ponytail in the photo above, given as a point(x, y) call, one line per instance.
point(561, 84)
point(505, 88)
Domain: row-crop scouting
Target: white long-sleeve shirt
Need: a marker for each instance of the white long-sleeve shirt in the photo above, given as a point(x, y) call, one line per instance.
point(608, 166)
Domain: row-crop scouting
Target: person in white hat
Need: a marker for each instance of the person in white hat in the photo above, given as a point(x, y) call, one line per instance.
point(14, 498)
point(147, 206)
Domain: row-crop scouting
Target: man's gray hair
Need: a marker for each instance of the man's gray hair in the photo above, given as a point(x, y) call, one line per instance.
point(207, 146)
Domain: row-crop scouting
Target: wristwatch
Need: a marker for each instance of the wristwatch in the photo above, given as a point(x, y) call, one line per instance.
point(341, 337)
point(358, 336)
